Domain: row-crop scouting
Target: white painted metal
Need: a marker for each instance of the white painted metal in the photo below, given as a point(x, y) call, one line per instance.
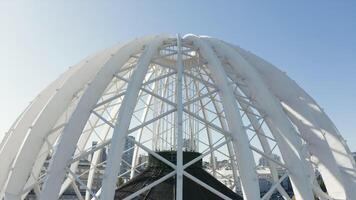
point(123, 121)
point(282, 129)
point(179, 121)
point(314, 125)
point(83, 142)
point(150, 186)
point(240, 140)
point(18, 134)
point(211, 189)
point(209, 134)
point(197, 80)
point(135, 156)
point(265, 145)
point(234, 167)
point(80, 116)
point(51, 112)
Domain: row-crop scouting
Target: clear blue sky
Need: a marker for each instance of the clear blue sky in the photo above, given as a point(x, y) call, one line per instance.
point(313, 41)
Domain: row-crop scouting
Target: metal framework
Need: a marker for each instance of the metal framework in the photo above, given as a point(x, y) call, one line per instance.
point(191, 93)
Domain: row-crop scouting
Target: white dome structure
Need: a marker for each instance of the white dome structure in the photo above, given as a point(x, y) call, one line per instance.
point(191, 93)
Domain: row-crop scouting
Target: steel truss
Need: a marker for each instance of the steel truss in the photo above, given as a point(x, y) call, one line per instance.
point(173, 93)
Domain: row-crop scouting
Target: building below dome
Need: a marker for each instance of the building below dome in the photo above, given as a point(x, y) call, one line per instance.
point(166, 190)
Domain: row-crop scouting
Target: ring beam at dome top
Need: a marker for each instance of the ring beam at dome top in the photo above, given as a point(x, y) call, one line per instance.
point(171, 93)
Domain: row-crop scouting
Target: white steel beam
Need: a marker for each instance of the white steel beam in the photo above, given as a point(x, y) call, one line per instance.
point(265, 145)
point(80, 116)
point(10, 144)
point(92, 171)
point(208, 131)
point(314, 125)
point(51, 112)
point(283, 131)
point(155, 183)
point(179, 121)
point(139, 137)
point(230, 149)
point(83, 142)
point(206, 186)
point(240, 140)
point(124, 118)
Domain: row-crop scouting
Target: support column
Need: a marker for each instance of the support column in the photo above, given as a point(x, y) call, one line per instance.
point(179, 121)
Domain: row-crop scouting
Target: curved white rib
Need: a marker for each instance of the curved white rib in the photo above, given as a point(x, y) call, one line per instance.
point(135, 155)
point(18, 135)
point(230, 148)
point(284, 133)
point(240, 140)
point(83, 140)
point(44, 123)
point(50, 140)
point(265, 145)
point(72, 131)
point(315, 126)
point(123, 121)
